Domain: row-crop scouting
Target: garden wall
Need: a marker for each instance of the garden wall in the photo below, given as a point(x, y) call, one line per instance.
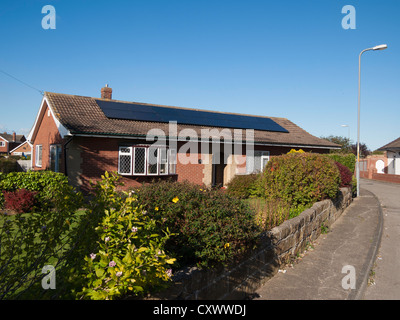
point(277, 247)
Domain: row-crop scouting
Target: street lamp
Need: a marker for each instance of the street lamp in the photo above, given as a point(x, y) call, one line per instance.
point(376, 48)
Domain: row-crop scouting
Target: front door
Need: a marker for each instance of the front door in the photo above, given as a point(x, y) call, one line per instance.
point(218, 167)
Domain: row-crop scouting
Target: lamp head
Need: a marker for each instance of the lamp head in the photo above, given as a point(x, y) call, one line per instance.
point(380, 47)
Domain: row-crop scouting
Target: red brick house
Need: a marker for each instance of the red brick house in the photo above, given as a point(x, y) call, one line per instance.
point(10, 141)
point(24, 149)
point(86, 136)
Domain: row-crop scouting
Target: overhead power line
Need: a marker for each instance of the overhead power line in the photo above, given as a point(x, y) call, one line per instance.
point(24, 83)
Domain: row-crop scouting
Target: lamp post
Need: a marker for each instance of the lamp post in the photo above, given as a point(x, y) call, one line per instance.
point(376, 48)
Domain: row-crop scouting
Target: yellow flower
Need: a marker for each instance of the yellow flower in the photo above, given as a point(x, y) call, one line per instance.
point(175, 200)
point(226, 245)
point(156, 208)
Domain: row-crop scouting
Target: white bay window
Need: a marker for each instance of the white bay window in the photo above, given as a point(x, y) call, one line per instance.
point(146, 160)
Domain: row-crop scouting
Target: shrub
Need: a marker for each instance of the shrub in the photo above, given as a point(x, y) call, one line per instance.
point(295, 151)
point(21, 200)
point(130, 258)
point(45, 183)
point(243, 186)
point(8, 165)
point(300, 179)
point(211, 226)
point(345, 175)
point(348, 160)
point(29, 241)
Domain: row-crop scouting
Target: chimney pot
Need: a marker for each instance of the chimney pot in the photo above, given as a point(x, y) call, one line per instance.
point(106, 92)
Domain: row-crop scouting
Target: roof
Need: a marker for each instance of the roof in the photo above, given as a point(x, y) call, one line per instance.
point(9, 137)
point(82, 115)
point(394, 145)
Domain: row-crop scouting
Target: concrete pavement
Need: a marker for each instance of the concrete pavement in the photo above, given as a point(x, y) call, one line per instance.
point(386, 270)
point(345, 253)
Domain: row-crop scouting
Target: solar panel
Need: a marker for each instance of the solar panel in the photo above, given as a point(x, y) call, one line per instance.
point(141, 112)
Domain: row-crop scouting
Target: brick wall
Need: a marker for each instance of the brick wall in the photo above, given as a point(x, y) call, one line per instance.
point(101, 154)
point(47, 134)
point(4, 149)
point(370, 172)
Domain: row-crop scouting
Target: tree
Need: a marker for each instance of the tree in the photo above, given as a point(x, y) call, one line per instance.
point(344, 142)
point(364, 151)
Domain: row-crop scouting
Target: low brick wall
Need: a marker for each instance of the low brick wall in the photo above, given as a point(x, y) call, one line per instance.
point(394, 178)
point(276, 247)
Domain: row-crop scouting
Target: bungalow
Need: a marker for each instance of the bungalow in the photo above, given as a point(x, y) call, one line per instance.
point(85, 136)
point(24, 149)
point(9, 142)
point(393, 156)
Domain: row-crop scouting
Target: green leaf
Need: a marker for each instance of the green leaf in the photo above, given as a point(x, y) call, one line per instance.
point(99, 272)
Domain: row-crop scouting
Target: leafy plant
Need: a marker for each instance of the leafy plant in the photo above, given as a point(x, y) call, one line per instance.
point(348, 160)
point(210, 226)
point(21, 200)
point(43, 182)
point(345, 175)
point(29, 241)
point(243, 186)
point(130, 256)
point(300, 179)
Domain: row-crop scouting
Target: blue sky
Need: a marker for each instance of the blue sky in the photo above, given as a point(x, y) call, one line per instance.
point(287, 59)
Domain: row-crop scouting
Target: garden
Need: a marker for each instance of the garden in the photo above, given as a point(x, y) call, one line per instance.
point(116, 244)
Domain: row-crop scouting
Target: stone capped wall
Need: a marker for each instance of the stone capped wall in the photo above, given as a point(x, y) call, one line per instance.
point(276, 247)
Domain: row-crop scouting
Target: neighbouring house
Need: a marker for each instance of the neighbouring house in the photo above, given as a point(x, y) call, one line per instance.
point(85, 136)
point(24, 149)
point(8, 142)
point(385, 167)
point(393, 156)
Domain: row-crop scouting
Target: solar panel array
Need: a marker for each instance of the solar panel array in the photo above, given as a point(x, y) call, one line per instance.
point(144, 112)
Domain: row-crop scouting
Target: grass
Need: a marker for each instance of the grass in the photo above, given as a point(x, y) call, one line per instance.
point(270, 214)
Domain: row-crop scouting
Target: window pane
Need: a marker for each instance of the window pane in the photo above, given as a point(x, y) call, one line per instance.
point(38, 155)
point(55, 157)
point(125, 160)
point(140, 161)
point(124, 164)
point(152, 162)
point(172, 161)
point(163, 161)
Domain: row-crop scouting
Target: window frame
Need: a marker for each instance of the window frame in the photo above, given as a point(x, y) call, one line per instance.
point(125, 154)
point(259, 154)
point(165, 157)
point(37, 147)
point(134, 173)
point(57, 159)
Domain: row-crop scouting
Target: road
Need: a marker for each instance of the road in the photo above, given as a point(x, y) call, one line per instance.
point(386, 271)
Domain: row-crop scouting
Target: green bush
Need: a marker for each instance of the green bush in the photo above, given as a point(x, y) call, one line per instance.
point(211, 226)
point(8, 165)
point(130, 258)
point(30, 241)
point(348, 160)
point(300, 179)
point(42, 182)
point(243, 186)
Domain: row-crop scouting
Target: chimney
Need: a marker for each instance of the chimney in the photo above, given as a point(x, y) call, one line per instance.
point(14, 137)
point(106, 92)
